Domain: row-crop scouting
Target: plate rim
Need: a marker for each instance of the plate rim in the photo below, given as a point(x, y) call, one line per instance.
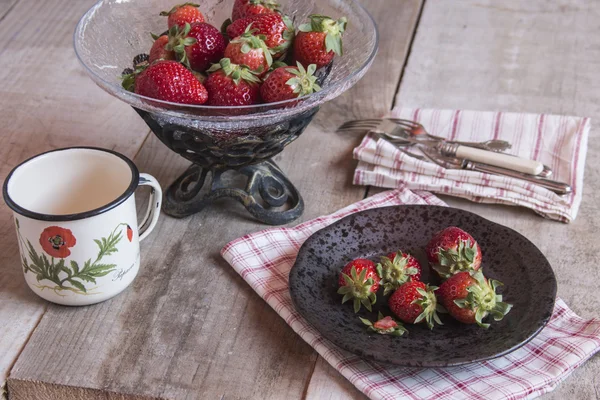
point(544, 321)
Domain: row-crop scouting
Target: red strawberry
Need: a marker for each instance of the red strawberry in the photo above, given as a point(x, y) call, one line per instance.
point(187, 13)
point(385, 325)
point(397, 269)
point(415, 302)
point(286, 83)
point(159, 51)
point(129, 233)
point(278, 31)
point(198, 45)
point(251, 51)
point(170, 81)
point(247, 8)
point(319, 41)
point(470, 299)
point(453, 250)
point(232, 85)
point(175, 44)
point(359, 281)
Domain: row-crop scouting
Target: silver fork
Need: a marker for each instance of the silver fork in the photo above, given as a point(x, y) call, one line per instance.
point(559, 188)
point(417, 131)
point(393, 133)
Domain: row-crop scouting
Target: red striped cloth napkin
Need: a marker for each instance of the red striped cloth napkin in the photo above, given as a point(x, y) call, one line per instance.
point(559, 142)
point(264, 260)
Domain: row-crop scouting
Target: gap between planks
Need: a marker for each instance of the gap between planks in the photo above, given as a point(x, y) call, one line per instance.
point(369, 188)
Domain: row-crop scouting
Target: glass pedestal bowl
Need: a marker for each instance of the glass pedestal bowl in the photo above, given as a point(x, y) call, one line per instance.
point(220, 139)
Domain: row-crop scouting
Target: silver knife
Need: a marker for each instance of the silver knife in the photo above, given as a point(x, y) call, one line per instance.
point(393, 132)
point(560, 188)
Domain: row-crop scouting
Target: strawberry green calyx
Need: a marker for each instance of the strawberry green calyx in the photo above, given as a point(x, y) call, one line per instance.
point(429, 305)
point(270, 4)
point(178, 42)
point(482, 299)
point(177, 7)
point(237, 72)
point(278, 64)
point(385, 326)
point(393, 273)
point(129, 75)
point(453, 261)
point(304, 81)
point(333, 28)
point(250, 41)
point(358, 288)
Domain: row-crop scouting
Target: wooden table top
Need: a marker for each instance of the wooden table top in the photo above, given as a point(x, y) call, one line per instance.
point(217, 339)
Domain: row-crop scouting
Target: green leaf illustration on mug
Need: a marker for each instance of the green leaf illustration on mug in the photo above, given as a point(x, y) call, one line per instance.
point(56, 243)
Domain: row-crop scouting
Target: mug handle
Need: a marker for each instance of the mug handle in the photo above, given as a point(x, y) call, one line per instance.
point(153, 211)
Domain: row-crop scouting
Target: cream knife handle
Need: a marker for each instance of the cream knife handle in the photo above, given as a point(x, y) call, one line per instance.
point(523, 165)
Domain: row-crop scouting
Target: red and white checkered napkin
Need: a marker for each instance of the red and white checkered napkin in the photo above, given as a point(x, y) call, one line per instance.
point(559, 142)
point(264, 260)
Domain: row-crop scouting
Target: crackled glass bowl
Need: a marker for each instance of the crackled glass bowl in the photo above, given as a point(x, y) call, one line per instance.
point(112, 32)
point(215, 139)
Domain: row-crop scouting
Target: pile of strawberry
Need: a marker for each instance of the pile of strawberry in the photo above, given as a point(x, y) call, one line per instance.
point(465, 293)
point(195, 63)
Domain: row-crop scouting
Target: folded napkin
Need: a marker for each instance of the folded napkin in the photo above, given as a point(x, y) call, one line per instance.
point(559, 142)
point(264, 260)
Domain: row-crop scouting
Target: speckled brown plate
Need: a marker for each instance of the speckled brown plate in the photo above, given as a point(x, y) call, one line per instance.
point(530, 286)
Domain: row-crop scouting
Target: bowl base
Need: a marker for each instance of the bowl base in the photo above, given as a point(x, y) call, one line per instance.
point(268, 195)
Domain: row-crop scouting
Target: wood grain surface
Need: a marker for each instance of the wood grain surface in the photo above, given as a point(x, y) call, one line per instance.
point(46, 102)
point(189, 326)
point(534, 57)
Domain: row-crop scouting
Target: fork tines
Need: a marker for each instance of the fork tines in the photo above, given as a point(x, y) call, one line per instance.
point(372, 123)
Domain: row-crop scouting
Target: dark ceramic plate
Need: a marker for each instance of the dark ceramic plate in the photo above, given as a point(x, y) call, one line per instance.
point(530, 286)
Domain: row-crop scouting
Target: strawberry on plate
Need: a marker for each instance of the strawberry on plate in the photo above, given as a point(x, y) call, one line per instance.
point(396, 269)
point(415, 302)
point(359, 282)
point(286, 83)
point(385, 326)
point(453, 250)
point(187, 13)
point(471, 298)
point(250, 50)
point(230, 84)
point(278, 31)
point(170, 81)
point(247, 8)
point(319, 41)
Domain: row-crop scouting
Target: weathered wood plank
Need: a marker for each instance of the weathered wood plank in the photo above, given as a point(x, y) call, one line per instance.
point(533, 57)
point(396, 32)
point(47, 102)
point(328, 384)
point(5, 7)
point(190, 326)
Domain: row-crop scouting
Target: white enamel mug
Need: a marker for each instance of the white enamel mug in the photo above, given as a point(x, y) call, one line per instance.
point(74, 211)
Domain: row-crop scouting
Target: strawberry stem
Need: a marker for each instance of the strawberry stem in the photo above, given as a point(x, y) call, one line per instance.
point(358, 288)
point(482, 299)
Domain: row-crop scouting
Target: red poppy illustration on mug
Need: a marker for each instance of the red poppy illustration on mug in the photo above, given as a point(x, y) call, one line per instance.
point(129, 233)
point(71, 276)
point(56, 241)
